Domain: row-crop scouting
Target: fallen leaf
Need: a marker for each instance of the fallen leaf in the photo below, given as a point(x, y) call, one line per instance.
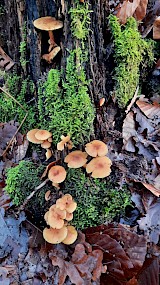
point(149, 274)
point(150, 110)
point(153, 189)
point(128, 132)
point(126, 10)
point(140, 12)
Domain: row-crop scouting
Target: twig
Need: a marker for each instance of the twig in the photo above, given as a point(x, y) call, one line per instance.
point(132, 101)
point(32, 194)
point(14, 135)
point(9, 95)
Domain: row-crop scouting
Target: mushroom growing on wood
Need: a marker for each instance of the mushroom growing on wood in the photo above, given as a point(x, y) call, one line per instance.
point(76, 159)
point(66, 203)
point(99, 166)
point(96, 148)
point(55, 236)
point(49, 24)
point(49, 56)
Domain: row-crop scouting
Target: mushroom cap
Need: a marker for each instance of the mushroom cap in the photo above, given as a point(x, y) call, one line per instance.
point(60, 145)
point(76, 159)
point(66, 203)
point(31, 136)
point(46, 217)
point(71, 235)
point(43, 135)
point(50, 139)
point(47, 23)
point(46, 144)
point(57, 174)
point(55, 236)
point(65, 139)
point(99, 166)
point(55, 217)
point(69, 216)
point(96, 148)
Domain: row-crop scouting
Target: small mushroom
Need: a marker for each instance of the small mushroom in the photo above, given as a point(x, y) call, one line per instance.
point(66, 203)
point(69, 216)
point(96, 148)
point(101, 102)
point(31, 136)
point(46, 144)
point(57, 174)
point(62, 143)
point(55, 236)
point(76, 159)
point(49, 56)
point(48, 154)
point(71, 235)
point(99, 166)
point(43, 135)
point(48, 24)
point(55, 217)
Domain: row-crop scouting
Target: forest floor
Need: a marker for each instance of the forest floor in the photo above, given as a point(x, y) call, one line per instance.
point(122, 250)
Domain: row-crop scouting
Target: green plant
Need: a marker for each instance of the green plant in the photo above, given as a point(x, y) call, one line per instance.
point(96, 200)
point(130, 52)
point(10, 110)
point(67, 110)
point(80, 20)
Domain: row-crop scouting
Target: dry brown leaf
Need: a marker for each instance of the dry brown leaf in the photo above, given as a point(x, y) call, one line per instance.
point(126, 10)
point(132, 281)
point(150, 110)
point(149, 274)
point(153, 189)
point(141, 10)
point(128, 132)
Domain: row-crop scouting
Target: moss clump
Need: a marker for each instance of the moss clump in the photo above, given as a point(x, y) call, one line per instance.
point(21, 181)
point(96, 202)
point(67, 110)
point(10, 110)
point(130, 52)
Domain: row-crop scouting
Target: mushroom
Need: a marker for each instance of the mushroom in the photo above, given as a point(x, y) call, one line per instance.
point(99, 166)
point(71, 235)
point(49, 24)
point(48, 154)
point(42, 135)
point(101, 101)
point(57, 174)
point(31, 136)
point(69, 216)
point(55, 217)
point(62, 143)
point(55, 236)
point(66, 203)
point(49, 56)
point(76, 159)
point(46, 144)
point(96, 148)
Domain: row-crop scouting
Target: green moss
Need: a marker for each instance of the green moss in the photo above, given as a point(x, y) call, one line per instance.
point(10, 110)
point(96, 201)
point(21, 181)
point(80, 20)
point(131, 51)
point(67, 109)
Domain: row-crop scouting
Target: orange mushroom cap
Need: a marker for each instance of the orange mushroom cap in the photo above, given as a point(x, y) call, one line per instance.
point(47, 23)
point(76, 159)
point(96, 148)
point(71, 235)
point(43, 135)
point(69, 216)
point(31, 136)
point(55, 236)
point(66, 203)
point(99, 166)
point(57, 174)
point(55, 217)
point(46, 144)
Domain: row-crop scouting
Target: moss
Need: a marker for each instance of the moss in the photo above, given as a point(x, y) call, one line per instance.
point(80, 20)
point(131, 51)
point(67, 109)
point(96, 200)
point(10, 110)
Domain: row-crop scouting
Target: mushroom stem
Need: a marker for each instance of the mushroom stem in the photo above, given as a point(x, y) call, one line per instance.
point(51, 40)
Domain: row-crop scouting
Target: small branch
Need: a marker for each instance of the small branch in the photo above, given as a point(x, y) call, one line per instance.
point(9, 95)
point(32, 194)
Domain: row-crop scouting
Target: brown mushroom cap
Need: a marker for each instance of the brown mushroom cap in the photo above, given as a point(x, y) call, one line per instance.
point(76, 159)
point(57, 174)
point(55, 217)
point(47, 23)
point(99, 166)
point(31, 136)
point(55, 236)
point(66, 203)
point(69, 216)
point(46, 144)
point(96, 148)
point(43, 135)
point(71, 235)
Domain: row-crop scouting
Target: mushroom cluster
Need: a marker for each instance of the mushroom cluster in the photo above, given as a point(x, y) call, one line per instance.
point(100, 165)
point(65, 142)
point(57, 218)
point(42, 137)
